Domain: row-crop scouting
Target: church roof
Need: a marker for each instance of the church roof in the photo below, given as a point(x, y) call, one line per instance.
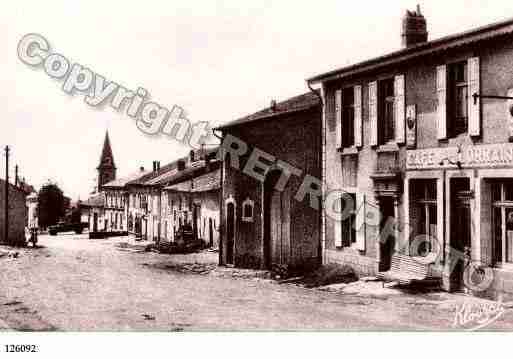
point(107, 152)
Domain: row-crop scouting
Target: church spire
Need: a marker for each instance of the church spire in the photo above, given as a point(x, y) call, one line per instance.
point(106, 168)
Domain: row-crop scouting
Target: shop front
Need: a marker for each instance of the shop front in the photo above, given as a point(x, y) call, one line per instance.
point(460, 201)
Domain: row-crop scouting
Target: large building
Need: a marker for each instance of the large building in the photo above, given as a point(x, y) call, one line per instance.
point(420, 141)
point(266, 221)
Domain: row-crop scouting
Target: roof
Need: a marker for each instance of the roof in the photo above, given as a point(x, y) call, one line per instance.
point(107, 153)
point(206, 182)
point(295, 104)
point(122, 182)
point(426, 48)
point(153, 174)
point(96, 200)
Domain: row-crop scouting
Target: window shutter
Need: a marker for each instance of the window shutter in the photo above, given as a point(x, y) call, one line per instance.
point(338, 233)
point(338, 118)
point(474, 111)
point(399, 109)
point(360, 221)
point(373, 113)
point(358, 120)
point(441, 90)
point(337, 225)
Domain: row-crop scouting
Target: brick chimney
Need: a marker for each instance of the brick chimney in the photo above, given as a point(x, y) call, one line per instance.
point(414, 28)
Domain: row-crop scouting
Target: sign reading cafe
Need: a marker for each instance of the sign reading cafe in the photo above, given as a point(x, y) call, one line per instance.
point(496, 155)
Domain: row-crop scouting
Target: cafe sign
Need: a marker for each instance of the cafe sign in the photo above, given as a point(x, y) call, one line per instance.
point(496, 155)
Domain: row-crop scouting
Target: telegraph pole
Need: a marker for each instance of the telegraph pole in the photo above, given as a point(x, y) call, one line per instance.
point(6, 228)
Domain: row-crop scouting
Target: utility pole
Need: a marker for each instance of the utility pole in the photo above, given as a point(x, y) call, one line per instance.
point(6, 228)
point(16, 181)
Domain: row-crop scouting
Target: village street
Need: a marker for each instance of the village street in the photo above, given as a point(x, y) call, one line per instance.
point(73, 283)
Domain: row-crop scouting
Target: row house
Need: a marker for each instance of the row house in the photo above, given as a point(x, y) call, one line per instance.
point(116, 202)
point(424, 136)
point(187, 197)
point(138, 194)
point(266, 156)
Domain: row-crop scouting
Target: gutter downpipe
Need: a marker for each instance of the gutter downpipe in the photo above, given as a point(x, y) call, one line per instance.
point(322, 254)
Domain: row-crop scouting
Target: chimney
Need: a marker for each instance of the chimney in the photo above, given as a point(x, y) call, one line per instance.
point(181, 165)
point(154, 166)
point(141, 169)
point(273, 105)
point(16, 179)
point(158, 165)
point(414, 28)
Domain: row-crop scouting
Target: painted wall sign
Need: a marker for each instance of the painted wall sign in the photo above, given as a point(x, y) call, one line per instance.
point(495, 155)
point(411, 126)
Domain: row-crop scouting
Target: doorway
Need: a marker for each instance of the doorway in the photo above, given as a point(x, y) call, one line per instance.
point(230, 232)
point(276, 245)
point(461, 223)
point(210, 233)
point(386, 245)
point(95, 222)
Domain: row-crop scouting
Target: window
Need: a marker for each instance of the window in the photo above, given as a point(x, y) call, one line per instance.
point(348, 232)
point(425, 215)
point(247, 210)
point(386, 128)
point(502, 197)
point(348, 117)
point(457, 99)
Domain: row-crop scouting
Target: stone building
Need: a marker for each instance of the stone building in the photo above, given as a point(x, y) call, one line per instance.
point(422, 156)
point(187, 195)
point(265, 222)
point(17, 219)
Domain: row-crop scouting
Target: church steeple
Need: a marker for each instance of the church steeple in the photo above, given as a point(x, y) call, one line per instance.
point(107, 167)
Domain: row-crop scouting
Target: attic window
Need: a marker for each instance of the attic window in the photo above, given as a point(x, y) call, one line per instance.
point(247, 210)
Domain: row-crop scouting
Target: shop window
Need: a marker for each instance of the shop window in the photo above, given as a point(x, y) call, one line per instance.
point(424, 214)
point(386, 128)
point(502, 195)
point(247, 210)
point(348, 230)
point(348, 117)
point(457, 98)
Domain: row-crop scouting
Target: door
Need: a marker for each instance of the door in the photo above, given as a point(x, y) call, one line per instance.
point(95, 222)
point(230, 232)
point(210, 233)
point(195, 221)
point(386, 207)
point(276, 246)
point(461, 223)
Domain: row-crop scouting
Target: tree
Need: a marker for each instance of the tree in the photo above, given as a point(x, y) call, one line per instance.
point(50, 205)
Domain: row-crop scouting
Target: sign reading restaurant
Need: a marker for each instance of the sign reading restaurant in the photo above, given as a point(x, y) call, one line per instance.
point(495, 155)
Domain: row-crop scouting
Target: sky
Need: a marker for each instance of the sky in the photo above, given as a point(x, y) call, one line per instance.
point(219, 60)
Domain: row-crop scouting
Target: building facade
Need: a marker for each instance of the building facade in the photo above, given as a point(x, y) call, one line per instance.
point(17, 214)
point(187, 196)
point(264, 225)
point(423, 157)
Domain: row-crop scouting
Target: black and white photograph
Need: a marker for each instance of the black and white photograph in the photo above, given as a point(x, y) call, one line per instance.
point(186, 169)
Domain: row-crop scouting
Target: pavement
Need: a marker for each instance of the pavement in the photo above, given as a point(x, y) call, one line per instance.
point(72, 283)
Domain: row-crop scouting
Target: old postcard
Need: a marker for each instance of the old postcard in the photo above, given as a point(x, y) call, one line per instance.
point(230, 166)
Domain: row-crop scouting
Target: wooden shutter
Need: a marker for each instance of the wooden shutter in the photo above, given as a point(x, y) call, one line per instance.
point(373, 113)
point(360, 221)
point(441, 90)
point(338, 118)
point(338, 225)
point(474, 86)
point(358, 120)
point(399, 109)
